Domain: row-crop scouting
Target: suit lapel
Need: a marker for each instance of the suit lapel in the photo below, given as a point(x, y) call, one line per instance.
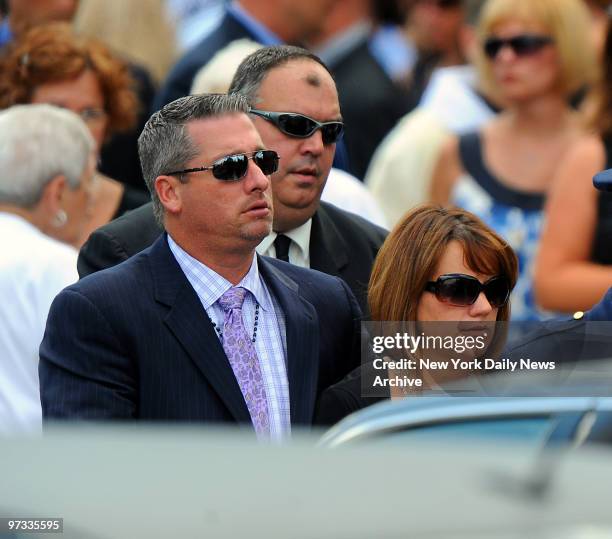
point(328, 251)
point(301, 323)
point(189, 323)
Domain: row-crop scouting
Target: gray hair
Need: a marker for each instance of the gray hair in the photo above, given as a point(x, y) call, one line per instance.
point(38, 143)
point(165, 145)
point(254, 68)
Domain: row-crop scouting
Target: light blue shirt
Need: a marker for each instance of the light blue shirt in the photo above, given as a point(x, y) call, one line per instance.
point(261, 34)
point(391, 48)
point(270, 344)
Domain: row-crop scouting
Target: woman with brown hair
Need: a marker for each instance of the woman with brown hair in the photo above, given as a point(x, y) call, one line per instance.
point(438, 265)
point(49, 64)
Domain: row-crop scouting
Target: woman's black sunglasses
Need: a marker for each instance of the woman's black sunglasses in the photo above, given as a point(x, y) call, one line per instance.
point(462, 290)
point(234, 167)
point(300, 126)
point(521, 45)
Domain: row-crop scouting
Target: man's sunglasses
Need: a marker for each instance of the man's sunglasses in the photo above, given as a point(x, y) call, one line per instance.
point(234, 167)
point(522, 45)
point(300, 126)
point(463, 290)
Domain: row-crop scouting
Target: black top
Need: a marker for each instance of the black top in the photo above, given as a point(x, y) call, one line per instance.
point(602, 240)
point(470, 152)
point(119, 155)
point(346, 397)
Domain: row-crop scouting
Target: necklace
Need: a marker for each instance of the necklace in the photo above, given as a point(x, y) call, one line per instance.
point(254, 338)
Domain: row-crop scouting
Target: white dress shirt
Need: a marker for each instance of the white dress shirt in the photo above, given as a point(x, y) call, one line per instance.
point(34, 268)
point(299, 249)
point(346, 192)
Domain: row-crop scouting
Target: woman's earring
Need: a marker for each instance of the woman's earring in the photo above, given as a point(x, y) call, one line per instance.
point(60, 219)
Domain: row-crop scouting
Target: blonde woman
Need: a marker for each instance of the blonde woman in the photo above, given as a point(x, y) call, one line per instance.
point(533, 56)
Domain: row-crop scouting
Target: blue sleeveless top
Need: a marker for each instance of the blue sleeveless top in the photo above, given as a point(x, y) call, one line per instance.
point(517, 216)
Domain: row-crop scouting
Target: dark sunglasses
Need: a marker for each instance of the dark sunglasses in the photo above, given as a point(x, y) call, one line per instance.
point(463, 290)
point(234, 167)
point(521, 45)
point(300, 126)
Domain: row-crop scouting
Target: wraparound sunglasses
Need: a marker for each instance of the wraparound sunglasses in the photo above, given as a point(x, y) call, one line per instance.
point(300, 126)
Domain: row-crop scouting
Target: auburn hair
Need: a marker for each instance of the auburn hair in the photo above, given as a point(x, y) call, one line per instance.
point(410, 255)
point(53, 53)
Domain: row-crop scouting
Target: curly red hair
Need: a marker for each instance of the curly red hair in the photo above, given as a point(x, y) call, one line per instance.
point(53, 53)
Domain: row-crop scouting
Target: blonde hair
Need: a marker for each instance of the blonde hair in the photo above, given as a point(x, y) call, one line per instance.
point(140, 30)
point(566, 21)
point(216, 76)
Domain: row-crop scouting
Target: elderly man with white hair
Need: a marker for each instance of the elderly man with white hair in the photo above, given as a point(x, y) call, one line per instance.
point(47, 159)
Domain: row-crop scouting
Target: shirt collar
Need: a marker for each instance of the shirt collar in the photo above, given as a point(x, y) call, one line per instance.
point(210, 286)
point(299, 235)
point(261, 34)
point(336, 48)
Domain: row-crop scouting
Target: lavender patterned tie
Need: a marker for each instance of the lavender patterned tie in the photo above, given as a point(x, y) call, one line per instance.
point(240, 351)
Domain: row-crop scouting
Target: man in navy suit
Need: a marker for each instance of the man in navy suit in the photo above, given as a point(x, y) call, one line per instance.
point(155, 338)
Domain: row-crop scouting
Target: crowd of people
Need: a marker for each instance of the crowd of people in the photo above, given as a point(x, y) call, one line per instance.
point(227, 207)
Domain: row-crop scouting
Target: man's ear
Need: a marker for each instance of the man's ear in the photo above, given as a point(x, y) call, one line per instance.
point(168, 189)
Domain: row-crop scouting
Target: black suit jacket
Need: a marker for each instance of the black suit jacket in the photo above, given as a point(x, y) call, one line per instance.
point(370, 102)
point(341, 244)
point(134, 342)
point(179, 81)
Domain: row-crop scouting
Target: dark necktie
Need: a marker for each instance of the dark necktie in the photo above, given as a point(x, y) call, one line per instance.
point(281, 244)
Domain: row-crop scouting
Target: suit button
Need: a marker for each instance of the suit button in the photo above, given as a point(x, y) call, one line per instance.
point(578, 315)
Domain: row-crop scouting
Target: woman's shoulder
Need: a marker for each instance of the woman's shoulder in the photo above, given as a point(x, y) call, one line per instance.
point(590, 148)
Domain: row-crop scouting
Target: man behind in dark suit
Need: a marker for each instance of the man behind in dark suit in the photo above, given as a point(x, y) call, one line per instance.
point(197, 327)
point(270, 23)
point(371, 101)
point(307, 232)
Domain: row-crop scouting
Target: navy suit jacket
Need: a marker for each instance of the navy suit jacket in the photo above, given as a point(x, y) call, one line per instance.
point(134, 342)
point(569, 341)
point(179, 81)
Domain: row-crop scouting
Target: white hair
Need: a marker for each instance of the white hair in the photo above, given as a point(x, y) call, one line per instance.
point(38, 143)
point(216, 76)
